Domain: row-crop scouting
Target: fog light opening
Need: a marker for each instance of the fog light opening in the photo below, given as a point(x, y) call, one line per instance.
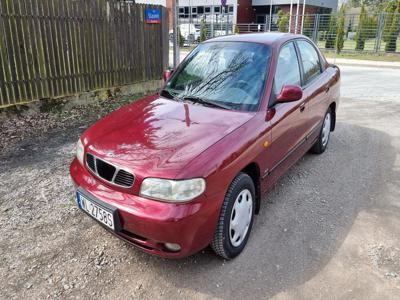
point(172, 247)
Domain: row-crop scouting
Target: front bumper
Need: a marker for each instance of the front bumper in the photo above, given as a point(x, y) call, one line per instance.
point(149, 224)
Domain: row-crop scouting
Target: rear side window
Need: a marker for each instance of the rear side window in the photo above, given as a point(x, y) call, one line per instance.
point(287, 68)
point(310, 60)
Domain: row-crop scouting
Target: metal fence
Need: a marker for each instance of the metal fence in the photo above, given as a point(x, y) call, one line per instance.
point(371, 33)
point(51, 48)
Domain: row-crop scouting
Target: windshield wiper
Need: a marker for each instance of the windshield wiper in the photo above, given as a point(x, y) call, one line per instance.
point(168, 94)
point(204, 102)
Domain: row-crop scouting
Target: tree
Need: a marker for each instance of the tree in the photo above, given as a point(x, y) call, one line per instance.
point(339, 42)
point(307, 26)
point(236, 29)
point(203, 31)
point(393, 31)
point(331, 34)
point(283, 21)
point(361, 29)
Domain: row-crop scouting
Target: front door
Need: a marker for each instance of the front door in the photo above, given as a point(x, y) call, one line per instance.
point(289, 120)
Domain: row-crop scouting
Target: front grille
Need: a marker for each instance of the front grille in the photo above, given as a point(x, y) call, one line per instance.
point(109, 172)
point(124, 178)
point(105, 170)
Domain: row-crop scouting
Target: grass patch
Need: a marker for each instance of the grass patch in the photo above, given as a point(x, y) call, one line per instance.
point(390, 57)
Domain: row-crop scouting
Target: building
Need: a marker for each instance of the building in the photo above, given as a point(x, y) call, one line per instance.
point(241, 11)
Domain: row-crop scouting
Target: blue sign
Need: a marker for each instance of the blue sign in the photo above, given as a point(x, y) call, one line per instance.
point(152, 15)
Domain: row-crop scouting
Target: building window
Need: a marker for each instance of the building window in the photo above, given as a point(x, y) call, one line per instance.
point(217, 9)
point(194, 10)
point(207, 9)
point(200, 9)
point(231, 9)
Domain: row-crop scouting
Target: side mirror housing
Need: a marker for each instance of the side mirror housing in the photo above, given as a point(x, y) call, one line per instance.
point(167, 74)
point(290, 93)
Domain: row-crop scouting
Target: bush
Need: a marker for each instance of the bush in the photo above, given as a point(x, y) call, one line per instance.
point(389, 14)
point(361, 29)
point(283, 22)
point(236, 29)
point(393, 31)
point(331, 34)
point(308, 26)
point(181, 39)
point(339, 42)
point(203, 31)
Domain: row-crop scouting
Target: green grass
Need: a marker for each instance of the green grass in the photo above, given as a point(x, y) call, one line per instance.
point(390, 57)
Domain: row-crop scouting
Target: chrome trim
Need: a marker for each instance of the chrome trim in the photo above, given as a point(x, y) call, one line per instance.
point(117, 169)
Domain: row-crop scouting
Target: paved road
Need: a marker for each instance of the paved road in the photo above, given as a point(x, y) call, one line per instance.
point(329, 229)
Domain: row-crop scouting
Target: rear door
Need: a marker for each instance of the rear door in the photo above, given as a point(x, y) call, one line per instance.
point(315, 85)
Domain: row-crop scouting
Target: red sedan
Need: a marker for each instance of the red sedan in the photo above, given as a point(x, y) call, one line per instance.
point(186, 168)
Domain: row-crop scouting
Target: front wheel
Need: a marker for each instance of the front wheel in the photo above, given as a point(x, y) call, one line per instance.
point(323, 138)
point(236, 218)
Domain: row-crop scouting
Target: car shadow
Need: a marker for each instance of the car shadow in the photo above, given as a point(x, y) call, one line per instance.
point(303, 221)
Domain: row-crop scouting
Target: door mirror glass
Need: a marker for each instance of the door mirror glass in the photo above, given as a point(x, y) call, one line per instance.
point(167, 74)
point(290, 93)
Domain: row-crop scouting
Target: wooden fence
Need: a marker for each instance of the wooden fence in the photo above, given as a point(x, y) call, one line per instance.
point(51, 48)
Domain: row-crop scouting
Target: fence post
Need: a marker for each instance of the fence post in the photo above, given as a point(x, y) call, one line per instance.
point(316, 25)
point(378, 38)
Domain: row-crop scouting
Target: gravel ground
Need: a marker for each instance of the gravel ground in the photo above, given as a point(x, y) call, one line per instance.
point(330, 228)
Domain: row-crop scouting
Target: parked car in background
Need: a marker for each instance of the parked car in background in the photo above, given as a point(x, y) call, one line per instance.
point(186, 168)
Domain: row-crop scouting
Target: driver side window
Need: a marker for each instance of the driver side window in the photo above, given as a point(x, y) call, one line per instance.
point(287, 68)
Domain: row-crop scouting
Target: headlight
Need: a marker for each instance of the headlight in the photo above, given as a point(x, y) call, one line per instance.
point(172, 190)
point(80, 151)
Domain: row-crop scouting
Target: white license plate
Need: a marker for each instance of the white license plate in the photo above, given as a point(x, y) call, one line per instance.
point(96, 211)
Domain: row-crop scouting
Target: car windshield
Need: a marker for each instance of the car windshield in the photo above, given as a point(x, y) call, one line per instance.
point(225, 74)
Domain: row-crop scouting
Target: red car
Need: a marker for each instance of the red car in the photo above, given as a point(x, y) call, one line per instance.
point(186, 168)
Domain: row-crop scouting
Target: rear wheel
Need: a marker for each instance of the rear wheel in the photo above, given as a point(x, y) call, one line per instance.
point(236, 218)
point(323, 138)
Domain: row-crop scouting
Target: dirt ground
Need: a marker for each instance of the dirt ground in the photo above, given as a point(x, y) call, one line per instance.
point(330, 229)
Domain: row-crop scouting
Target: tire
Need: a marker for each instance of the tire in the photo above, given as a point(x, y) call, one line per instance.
point(323, 139)
point(241, 192)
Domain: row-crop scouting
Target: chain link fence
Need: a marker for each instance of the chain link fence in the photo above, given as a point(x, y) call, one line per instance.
point(347, 32)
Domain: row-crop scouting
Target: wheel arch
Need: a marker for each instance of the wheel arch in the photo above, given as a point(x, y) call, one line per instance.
point(253, 170)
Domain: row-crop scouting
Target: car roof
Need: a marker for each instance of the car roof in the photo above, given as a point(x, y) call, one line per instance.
point(268, 38)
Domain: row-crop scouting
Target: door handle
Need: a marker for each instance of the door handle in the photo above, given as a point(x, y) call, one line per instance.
point(302, 107)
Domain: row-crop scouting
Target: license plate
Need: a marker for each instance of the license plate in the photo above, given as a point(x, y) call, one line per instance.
point(96, 211)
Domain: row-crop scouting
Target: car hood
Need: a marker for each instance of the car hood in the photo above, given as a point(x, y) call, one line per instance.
point(154, 136)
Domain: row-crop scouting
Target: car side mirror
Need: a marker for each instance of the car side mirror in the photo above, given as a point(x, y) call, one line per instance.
point(167, 74)
point(290, 93)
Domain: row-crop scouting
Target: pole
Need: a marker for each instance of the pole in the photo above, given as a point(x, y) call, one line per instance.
point(297, 16)
point(190, 23)
point(270, 16)
point(227, 21)
point(302, 17)
point(175, 32)
point(290, 16)
point(212, 19)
